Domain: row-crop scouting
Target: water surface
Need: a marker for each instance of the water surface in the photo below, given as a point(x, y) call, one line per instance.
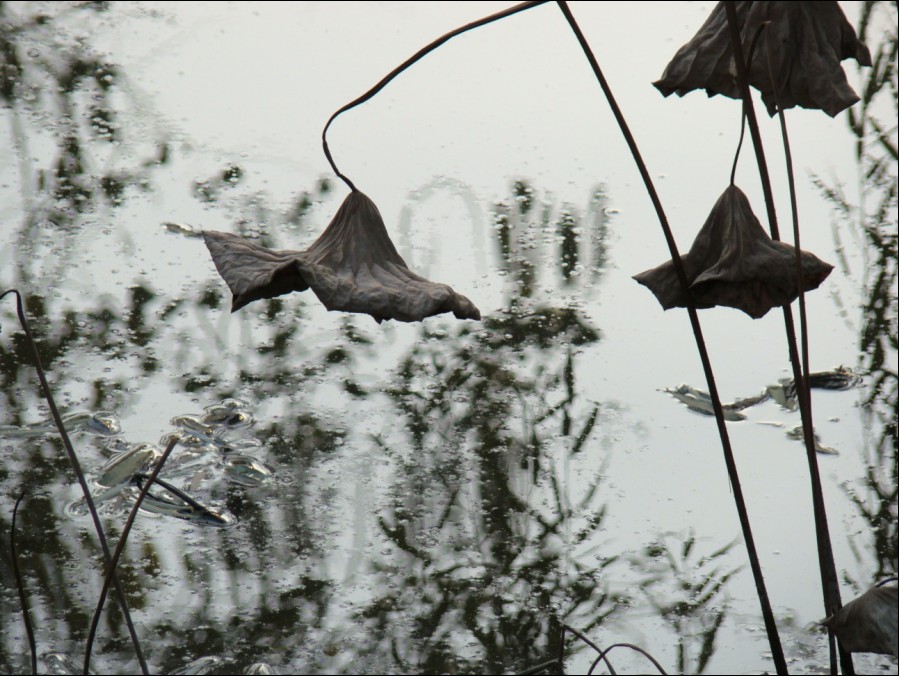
point(434, 497)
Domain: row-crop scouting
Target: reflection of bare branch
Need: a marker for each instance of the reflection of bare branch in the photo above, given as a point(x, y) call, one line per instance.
point(61, 91)
point(496, 566)
point(455, 188)
point(20, 148)
point(877, 233)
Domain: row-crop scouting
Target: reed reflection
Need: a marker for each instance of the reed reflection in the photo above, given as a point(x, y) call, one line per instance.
point(70, 113)
point(493, 545)
point(490, 529)
point(277, 552)
point(876, 222)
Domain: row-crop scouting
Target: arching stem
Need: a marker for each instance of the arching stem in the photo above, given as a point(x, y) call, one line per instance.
point(768, 616)
point(424, 51)
point(829, 582)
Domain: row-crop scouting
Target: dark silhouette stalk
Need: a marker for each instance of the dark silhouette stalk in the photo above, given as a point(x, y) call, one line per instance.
point(76, 466)
point(794, 212)
point(427, 49)
point(733, 171)
point(586, 640)
point(561, 665)
point(768, 616)
point(803, 317)
point(120, 547)
point(546, 665)
point(602, 656)
point(829, 581)
point(20, 585)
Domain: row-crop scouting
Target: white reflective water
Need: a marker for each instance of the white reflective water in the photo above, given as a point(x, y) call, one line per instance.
point(436, 497)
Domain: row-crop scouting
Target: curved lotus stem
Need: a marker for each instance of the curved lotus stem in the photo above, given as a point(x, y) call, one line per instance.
point(770, 625)
point(829, 581)
point(633, 647)
point(427, 49)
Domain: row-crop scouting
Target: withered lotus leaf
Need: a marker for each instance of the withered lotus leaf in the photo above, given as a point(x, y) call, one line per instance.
point(734, 263)
point(353, 266)
point(805, 42)
point(869, 623)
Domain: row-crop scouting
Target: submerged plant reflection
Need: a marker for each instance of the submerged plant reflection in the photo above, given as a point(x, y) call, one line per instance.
point(688, 591)
point(71, 112)
point(490, 533)
point(490, 542)
point(102, 353)
point(875, 222)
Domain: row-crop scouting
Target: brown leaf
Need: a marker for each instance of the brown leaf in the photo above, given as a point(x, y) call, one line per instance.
point(805, 42)
point(353, 266)
point(734, 263)
point(869, 623)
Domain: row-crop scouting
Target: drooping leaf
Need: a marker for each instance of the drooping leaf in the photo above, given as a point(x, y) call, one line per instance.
point(800, 43)
point(353, 266)
point(734, 263)
point(869, 623)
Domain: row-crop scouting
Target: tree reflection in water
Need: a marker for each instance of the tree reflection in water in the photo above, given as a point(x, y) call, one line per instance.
point(487, 535)
point(76, 127)
point(491, 547)
point(873, 123)
point(493, 537)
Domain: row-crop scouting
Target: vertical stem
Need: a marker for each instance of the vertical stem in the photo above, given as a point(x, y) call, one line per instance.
point(120, 546)
point(767, 614)
point(76, 466)
point(803, 341)
point(829, 582)
point(23, 599)
point(794, 210)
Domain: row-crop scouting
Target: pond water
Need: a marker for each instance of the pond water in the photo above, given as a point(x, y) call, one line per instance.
point(437, 497)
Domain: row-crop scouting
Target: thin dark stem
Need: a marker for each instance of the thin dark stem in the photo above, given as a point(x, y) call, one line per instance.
point(541, 667)
point(427, 49)
point(562, 651)
point(150, 479)
point(733, 171)
point(803, 316)
point(767, 614)
point(628, 646)
point(829, 582)
point(586, 640)
point(20, 585)
point(794, 211)
point(76, 466)
point(120, 547)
